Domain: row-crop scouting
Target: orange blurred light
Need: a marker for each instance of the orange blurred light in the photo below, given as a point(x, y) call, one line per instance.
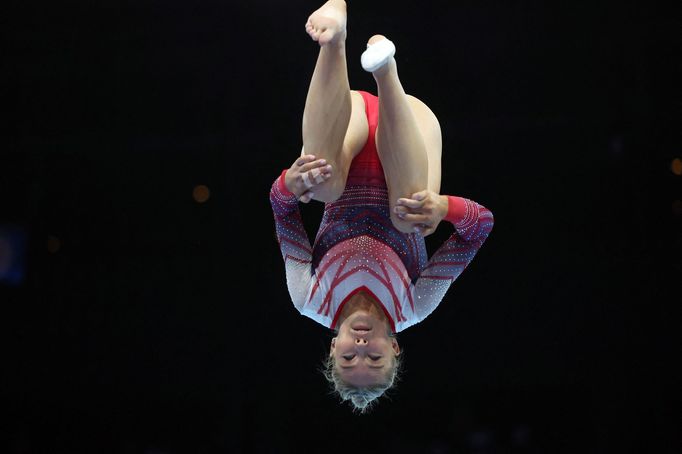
point(54, 244)
point(676, 166)
point(201, 193)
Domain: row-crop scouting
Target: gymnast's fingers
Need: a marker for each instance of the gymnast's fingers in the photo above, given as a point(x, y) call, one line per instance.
point(306, 197)
point(421, 195)
point(400, 210)
point(413, 218)
point(320, 164)
point(425, 230)
point(304, 159)
point(307, 182)
point(317, 176)
point(411, 203)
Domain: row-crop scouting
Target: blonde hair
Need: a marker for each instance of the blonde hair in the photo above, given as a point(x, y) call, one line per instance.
point(361, 398)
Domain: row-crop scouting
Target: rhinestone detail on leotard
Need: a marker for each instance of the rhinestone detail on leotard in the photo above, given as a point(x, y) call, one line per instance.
point(357, 247)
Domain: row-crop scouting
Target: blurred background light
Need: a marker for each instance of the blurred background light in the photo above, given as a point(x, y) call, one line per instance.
point(676, 166)
point(677, 207)
point(12, 255)
point(201, 193)
point(54, 244)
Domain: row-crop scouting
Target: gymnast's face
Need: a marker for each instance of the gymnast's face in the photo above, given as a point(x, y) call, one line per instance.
point(363, 350)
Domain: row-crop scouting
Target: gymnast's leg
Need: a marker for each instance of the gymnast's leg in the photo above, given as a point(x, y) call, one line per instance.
point(334, 122)
point(408, 139)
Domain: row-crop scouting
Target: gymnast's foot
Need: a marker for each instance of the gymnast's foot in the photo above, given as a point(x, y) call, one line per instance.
point(327, 25)
point(378, 57)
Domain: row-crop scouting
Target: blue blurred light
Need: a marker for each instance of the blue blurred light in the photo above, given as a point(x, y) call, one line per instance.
point(12, 255)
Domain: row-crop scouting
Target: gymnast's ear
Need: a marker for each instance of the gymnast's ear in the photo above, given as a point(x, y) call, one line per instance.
point(396, 347)
point(332, 346)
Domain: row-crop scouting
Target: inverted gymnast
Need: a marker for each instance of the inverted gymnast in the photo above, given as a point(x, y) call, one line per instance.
point(375, 163)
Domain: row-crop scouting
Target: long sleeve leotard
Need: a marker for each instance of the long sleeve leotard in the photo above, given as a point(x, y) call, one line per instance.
point(358, 249)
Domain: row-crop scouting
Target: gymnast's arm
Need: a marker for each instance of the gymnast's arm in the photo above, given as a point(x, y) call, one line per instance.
point(290, 187)
point(472, 222)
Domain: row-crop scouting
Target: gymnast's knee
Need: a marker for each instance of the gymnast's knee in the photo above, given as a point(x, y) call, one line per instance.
point(329, 191)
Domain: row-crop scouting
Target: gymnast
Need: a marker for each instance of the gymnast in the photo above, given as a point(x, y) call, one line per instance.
point(375, 161)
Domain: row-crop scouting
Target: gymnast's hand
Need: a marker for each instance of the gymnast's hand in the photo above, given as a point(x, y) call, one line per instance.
point(306, 173)
point(425, 209)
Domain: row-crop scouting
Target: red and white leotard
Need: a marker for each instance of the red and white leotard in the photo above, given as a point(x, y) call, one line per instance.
point(358, 249)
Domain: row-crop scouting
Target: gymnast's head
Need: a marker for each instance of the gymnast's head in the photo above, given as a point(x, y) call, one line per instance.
point(364, 357)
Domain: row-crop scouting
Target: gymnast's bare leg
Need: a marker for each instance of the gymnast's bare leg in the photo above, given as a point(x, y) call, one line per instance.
point(408, 140)
point(334, 122)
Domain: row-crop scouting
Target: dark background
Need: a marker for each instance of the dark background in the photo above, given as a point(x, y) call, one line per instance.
point(136, 320)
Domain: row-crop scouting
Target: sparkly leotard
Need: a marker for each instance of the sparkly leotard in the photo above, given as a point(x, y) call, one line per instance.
point(358, 249)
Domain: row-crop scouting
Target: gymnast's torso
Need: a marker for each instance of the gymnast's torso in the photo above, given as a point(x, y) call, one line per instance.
point(357, 248)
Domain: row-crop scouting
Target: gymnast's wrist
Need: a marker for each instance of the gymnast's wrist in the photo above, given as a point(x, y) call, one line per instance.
point(442, 206)
point(282, 184)
point(456, 209)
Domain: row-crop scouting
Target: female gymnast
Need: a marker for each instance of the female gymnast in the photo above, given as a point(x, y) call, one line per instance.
point(375, 163)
